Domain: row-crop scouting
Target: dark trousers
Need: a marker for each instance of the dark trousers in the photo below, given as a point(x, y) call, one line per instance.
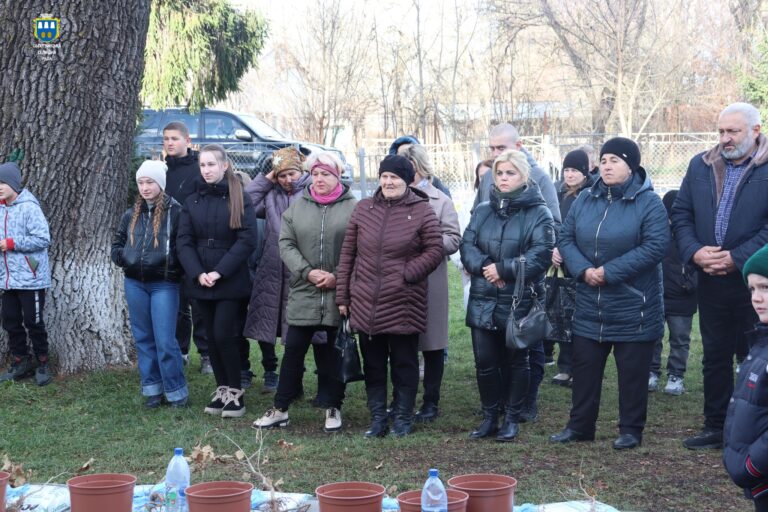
point(189, 323)
point(537, 361)
point(330, 390)
point(565, 357)
point(502, 374)
point(22, 312)
point(633, 362)
point(401, 351)
point(434, 366)
point(224, 321)
point(761, 505)
point(268, 355)
point(725, 314)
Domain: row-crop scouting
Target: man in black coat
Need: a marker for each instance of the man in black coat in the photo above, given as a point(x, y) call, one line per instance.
point(181, 180)
point(720, 218)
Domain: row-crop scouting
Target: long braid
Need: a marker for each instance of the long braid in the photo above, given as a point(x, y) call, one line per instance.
point(158, 216)
point(135, 217)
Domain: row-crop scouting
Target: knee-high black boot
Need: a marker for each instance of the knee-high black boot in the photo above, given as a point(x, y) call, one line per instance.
point(488, 383)
point(405, 398)
point(377, 405)
point(516, 395)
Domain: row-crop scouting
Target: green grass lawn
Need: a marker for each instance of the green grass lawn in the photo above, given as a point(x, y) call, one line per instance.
point(54, 430)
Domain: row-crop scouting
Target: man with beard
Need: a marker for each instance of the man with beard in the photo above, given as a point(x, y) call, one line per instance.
point(720, 218)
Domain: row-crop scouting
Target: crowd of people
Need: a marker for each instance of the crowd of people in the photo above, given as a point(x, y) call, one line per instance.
point(211, 256)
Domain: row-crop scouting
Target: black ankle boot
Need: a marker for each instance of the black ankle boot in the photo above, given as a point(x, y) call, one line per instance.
point(490, 424)
point(509, 428)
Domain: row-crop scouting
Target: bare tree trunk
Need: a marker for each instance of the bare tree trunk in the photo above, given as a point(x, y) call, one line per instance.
point(74, 117)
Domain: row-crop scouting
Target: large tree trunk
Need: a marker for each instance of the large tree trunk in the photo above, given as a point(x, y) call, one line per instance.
point(74, 117)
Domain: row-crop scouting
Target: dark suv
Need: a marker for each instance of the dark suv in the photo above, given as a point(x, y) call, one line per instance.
point(248, 140)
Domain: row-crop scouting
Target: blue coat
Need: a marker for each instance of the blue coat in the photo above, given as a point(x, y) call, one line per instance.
point(493, 236)
point(695, 209)
point(745, 453)
point(624, 229)
point(25, 266)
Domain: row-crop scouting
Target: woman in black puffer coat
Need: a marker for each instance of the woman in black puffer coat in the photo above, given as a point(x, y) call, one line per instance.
point(216, 238)
point(145, 247)
point(515, 222)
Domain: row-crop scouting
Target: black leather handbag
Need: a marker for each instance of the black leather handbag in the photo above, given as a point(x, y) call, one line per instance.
point(534, 326)
point(349, 367)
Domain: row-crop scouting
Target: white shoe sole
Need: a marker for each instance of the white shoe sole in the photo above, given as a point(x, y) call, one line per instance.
point(277, 424)
point(233, 414)
point(213, 411)
point(331, 430)
point(673, 392)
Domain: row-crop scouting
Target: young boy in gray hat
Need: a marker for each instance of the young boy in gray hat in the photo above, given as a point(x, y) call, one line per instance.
point(24, 276)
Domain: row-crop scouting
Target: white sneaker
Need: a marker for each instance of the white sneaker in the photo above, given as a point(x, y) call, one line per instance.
point(653, 382)
point(272, 418)
point(332, 419)
point(674, 386)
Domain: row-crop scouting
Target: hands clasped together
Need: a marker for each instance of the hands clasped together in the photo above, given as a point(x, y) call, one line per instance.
point(714, 261)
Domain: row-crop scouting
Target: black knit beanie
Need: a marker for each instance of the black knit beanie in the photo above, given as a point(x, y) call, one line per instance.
point(577, 159)
point(625, 149)
point(399, 165)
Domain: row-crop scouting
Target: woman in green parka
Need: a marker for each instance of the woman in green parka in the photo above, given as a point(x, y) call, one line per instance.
point(311, 236)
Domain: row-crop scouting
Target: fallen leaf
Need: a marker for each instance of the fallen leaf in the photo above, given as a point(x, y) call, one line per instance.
point(392, 490)
point(87, 466)
point(380, 465)
point(240, 455)
point(285, 445)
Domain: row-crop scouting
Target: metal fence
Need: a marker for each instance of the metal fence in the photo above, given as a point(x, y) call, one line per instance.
point(664, 155)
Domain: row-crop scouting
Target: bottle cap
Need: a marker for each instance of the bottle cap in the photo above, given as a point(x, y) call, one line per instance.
point(178, 451)
point(433, 472)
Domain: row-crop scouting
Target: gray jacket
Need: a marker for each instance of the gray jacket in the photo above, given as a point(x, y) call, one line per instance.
point(538, 175)
point(25, 229)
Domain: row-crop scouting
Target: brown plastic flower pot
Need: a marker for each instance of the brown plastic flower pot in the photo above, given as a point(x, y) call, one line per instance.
point(219, 497)
point(486, 491)
point(4, 476)
point(410, 501)
point(350, 497)
point(100, 492)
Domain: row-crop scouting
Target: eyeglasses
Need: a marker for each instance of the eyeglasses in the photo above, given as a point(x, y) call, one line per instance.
point(497, 148)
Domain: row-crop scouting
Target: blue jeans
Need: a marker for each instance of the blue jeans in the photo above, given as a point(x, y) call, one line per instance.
point(152, 308)
point(679, 345)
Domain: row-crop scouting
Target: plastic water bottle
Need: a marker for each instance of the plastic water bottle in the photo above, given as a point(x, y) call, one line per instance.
point(176, 483)
point(433, 495)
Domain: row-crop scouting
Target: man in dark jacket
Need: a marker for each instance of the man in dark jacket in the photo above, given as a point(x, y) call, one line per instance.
point(679, 307)
point(720, 218)
point(182, 179)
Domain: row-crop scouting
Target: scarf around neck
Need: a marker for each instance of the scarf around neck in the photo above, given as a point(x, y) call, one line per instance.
point(333, 196)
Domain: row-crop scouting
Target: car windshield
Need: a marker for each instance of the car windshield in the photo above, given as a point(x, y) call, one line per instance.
point(260, 127)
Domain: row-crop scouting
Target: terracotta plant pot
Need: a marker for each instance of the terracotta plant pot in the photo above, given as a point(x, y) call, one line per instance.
point(4, 476)
point(486, 491)
point(219, 497)
point(410, 501)
point(100, 492)
point(350, 497)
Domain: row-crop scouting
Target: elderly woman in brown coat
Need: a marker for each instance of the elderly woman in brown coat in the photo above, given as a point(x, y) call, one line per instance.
point(391, 245)
point(433, 343)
